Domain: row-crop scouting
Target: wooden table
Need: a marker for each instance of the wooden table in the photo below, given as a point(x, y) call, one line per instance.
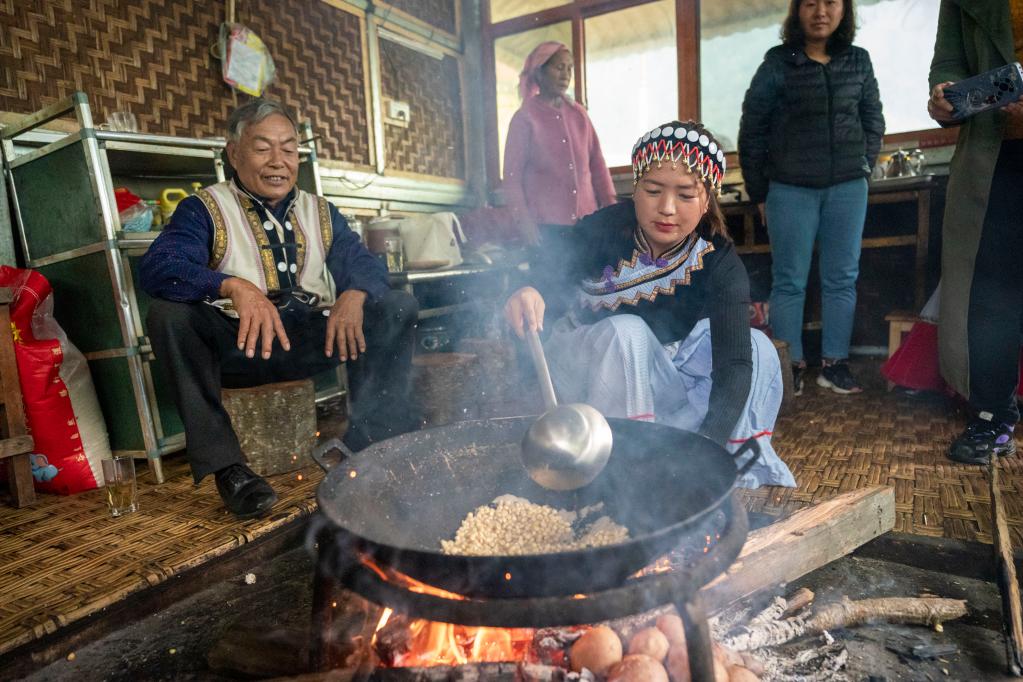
point(898, 190)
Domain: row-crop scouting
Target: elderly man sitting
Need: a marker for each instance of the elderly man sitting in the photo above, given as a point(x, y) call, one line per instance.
point(257, 281)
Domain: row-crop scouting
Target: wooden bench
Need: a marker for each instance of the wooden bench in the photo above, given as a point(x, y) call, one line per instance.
point(16, 445)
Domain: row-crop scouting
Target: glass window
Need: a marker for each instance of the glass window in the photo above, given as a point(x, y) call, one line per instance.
point(631, 74)
point(510, 54)
point(508, 9)
point(898, 34)
point(732, 45)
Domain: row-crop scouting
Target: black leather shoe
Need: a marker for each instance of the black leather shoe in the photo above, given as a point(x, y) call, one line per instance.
point(245, 494)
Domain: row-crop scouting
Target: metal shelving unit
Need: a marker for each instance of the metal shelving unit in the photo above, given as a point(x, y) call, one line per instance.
point(68, 227)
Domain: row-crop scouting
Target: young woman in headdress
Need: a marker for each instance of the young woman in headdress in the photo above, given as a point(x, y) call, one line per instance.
point(659, 326)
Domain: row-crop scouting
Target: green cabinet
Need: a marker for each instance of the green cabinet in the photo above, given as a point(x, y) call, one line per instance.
point(68, 228)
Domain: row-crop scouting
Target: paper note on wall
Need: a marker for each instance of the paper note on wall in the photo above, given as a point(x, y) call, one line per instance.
point(247, 64)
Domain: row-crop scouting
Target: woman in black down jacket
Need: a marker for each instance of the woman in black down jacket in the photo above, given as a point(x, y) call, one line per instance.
point(810, 131)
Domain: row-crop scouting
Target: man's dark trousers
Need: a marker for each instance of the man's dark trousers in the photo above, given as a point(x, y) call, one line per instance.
point(197, 345)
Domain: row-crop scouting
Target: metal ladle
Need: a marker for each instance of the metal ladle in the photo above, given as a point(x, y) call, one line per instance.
point(569, 444)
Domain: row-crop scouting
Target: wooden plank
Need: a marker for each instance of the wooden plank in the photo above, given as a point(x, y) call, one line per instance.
point(18, 445)
point(1008, 585)
point(803, 542)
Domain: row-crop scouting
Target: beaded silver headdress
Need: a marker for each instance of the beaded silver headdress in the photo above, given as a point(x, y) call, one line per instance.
point(685, 142)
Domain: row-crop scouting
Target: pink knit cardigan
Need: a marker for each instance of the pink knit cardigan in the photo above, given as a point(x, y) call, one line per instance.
point(554, 171)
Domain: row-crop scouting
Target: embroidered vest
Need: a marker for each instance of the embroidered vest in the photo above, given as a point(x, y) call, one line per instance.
point(642, 277)
point(249, 242)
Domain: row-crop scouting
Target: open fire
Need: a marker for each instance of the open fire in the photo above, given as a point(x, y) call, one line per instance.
point(425, 643)
point(403, 642)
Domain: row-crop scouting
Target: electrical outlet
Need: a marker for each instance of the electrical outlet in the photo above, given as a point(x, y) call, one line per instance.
point(396, 112)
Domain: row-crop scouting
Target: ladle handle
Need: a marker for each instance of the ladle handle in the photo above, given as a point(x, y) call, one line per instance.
point(543, 375)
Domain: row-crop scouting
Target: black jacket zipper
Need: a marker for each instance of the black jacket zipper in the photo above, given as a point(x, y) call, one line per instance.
point(826, 69)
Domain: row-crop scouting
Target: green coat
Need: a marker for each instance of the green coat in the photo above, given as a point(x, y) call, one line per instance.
point(973, 36)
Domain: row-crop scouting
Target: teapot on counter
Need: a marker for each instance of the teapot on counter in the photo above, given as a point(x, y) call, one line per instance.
point(903, 164)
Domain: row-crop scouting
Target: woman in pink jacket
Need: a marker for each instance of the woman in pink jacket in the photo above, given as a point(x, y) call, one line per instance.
point(554, 171)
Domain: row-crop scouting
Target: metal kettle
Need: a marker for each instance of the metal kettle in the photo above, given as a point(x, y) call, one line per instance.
point(903, 164)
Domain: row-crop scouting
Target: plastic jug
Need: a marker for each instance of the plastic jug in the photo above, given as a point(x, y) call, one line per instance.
point(169, 200)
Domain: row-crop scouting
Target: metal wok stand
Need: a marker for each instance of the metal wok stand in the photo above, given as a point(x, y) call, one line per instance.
point(338, 564)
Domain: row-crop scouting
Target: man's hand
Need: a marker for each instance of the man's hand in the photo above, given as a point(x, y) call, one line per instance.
point(344, 326)
point(1015, 110)
point(524, 311)
point(258, 320)
point(762, 210)
point(939, 108)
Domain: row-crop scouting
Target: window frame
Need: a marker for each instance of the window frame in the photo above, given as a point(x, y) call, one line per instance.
point(576, 12)
point(687, 27)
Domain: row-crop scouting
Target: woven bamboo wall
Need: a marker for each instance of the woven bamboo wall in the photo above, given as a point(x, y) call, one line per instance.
point(439, 13)
point(433, 143)
point(152, 58)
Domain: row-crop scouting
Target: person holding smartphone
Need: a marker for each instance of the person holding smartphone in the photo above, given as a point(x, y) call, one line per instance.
point(981, 314)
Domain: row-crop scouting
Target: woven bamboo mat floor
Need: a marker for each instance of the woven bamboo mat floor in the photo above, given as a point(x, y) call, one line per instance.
point(838, 443)
point(65, 558)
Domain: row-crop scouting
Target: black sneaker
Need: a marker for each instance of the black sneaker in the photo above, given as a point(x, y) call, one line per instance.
point(839, 379)
point(797, 379)
point(981, 439)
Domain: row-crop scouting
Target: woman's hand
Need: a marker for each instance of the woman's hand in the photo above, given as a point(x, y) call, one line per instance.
point(524, 311)
point(1015, 109)
point(939, 108)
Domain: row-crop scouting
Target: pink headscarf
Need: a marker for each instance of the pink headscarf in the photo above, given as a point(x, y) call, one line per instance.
point(536, 59)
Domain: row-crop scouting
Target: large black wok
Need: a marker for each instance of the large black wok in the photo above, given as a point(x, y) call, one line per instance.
point(397, 499)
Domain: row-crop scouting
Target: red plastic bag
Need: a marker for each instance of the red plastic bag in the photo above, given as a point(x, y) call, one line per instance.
point(61, 409)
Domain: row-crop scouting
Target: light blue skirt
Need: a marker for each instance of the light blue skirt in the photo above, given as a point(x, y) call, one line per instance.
point(619, 367)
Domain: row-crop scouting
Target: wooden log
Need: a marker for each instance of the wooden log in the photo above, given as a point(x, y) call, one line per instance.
point(803, 542)
point(275, 424)
point(1008, 585)
point(847, 614)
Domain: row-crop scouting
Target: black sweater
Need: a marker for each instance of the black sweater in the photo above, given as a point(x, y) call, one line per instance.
point(719, 291)
point(809, 124)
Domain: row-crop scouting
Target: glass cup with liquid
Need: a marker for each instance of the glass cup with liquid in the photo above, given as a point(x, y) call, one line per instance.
point(119, 479)
point(395, 252)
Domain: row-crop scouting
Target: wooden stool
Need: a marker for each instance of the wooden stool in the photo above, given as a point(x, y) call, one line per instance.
point(899, 324)
point(787, 385)
point(275, 424)
point(16, 445)
point(444, 385)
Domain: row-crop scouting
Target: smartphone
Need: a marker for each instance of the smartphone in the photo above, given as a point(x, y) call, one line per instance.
point(989, 90)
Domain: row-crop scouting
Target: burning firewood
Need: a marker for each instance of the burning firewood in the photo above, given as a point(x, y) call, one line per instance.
point(845, 614)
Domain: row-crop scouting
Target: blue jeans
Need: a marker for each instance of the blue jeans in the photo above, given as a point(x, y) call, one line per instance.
point(796, 218)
